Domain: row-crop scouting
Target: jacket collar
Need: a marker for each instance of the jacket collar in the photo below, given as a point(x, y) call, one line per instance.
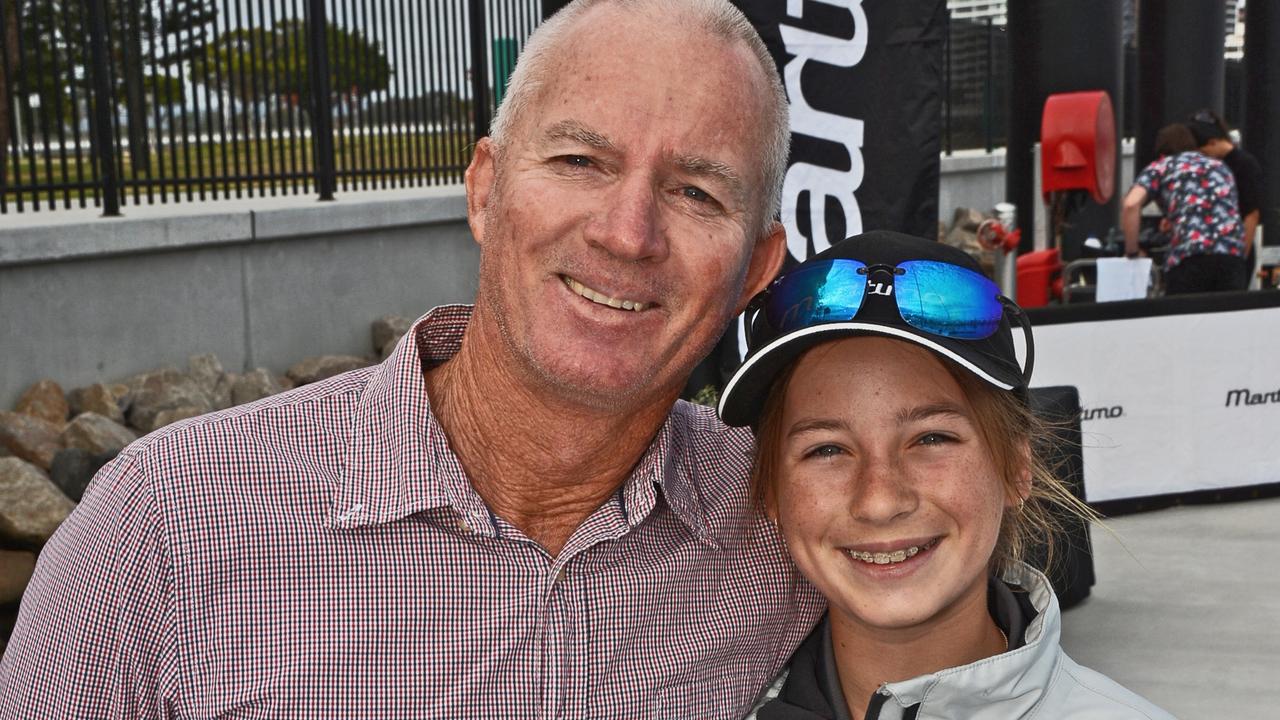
point(995, 688)
point(397, 461)
point(1004, 686)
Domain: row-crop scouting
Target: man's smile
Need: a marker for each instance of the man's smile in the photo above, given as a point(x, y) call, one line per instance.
point(600, 298)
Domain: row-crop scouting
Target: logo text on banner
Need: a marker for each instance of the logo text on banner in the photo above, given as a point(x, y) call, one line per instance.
point(1247, 397)
point(821, 182)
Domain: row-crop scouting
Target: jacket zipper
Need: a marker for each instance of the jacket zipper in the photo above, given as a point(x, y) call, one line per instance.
point(878, 700)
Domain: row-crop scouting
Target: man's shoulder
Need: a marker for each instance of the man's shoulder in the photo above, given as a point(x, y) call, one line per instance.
point(1245, 167)
point(252, 441)
point(1244, 159)
point(714, 457)
point(706, 432)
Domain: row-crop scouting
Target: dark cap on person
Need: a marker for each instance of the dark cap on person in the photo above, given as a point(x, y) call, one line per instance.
point(1204, 132)
point(770, 351)
point(1205, 125)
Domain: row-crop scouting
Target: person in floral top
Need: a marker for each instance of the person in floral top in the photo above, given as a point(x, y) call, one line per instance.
point(1198, 197)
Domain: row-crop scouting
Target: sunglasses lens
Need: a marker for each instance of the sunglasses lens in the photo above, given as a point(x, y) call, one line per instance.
point(948, 300)
point(824, 292)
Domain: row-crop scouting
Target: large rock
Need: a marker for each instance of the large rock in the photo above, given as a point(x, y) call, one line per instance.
point(99, 398)
point(963, 234)
point(173, 415)
point(30, 438)
point(31, 506)
point(221, 397)
point(134, 383)
point(207, 371)
point(165, 396)
point(16, 567)
point(73, 468)
point(254, 385)
point(96, 433)
point(44, 400)
point(388, 330)
point(314, 369)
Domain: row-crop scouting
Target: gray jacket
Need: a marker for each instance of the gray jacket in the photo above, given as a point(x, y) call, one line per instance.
point(1035, 681)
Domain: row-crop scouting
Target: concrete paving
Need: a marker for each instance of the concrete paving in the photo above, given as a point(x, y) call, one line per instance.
point(1186, 609)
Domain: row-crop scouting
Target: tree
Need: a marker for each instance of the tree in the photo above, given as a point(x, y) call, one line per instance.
point(8, 59)
point(264, 64)
point(54, 60)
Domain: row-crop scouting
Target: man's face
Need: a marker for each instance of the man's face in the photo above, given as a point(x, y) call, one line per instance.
point(617, 223)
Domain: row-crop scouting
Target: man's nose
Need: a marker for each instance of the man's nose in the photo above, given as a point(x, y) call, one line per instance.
point(881, 492)
point(630, 227)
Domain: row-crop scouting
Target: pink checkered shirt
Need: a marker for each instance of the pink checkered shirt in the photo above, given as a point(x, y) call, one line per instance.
point(321, 554)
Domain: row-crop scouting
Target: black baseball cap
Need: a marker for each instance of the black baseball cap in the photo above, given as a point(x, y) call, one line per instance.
point(1205, 131)
point(770, 351)
point(1206, 125)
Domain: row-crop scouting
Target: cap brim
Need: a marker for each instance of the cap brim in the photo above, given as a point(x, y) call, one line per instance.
point(743, 397)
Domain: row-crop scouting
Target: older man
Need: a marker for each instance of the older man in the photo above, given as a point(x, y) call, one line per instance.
point(512, 516)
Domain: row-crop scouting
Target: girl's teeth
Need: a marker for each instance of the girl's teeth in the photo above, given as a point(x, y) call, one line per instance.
point(880, 558)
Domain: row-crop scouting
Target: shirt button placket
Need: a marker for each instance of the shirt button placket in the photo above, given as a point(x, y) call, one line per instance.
point(558, 645)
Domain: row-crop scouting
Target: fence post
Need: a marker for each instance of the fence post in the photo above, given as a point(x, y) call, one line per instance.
point(103, 139)
point(988, 89)
point(479, 69)
point(321, 99)
point(946, 87)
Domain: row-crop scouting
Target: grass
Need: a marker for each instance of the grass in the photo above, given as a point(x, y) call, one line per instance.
point(175, 170)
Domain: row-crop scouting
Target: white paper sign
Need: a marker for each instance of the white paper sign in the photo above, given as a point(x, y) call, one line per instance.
point(1123, 279)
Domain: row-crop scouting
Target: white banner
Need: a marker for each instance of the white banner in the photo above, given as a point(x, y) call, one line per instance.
point(1173, 403)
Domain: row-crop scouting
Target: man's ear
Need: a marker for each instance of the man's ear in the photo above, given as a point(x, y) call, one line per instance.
point(766, 259)
point(480, 178)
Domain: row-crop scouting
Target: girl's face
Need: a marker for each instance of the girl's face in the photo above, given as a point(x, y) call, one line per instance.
point(887, 495)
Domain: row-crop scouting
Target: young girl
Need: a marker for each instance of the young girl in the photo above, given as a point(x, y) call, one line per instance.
point(897, 455)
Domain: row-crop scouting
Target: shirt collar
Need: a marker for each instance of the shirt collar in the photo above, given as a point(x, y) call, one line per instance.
point(398, 461)
point(668, 464)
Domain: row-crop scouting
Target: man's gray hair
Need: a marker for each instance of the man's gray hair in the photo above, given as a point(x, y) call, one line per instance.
point(716, 17)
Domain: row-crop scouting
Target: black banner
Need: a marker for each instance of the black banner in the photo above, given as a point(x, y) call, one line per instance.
point(864, 80)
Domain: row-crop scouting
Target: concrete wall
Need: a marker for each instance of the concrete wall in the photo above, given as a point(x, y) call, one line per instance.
point(975, 179)
point(258, 283)
point(970, 179)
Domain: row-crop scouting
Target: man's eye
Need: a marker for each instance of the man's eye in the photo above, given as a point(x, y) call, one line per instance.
point(576, 160)
point(697, 194)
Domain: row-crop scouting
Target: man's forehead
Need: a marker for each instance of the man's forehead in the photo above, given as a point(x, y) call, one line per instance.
point(616, 30)
point(691, 163)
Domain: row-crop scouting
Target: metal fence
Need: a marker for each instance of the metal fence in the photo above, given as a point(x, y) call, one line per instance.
point(975, 97)
point(110, 103)
point(212, 99)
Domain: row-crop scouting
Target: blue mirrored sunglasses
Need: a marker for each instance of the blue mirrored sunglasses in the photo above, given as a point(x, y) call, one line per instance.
point(936, 297)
